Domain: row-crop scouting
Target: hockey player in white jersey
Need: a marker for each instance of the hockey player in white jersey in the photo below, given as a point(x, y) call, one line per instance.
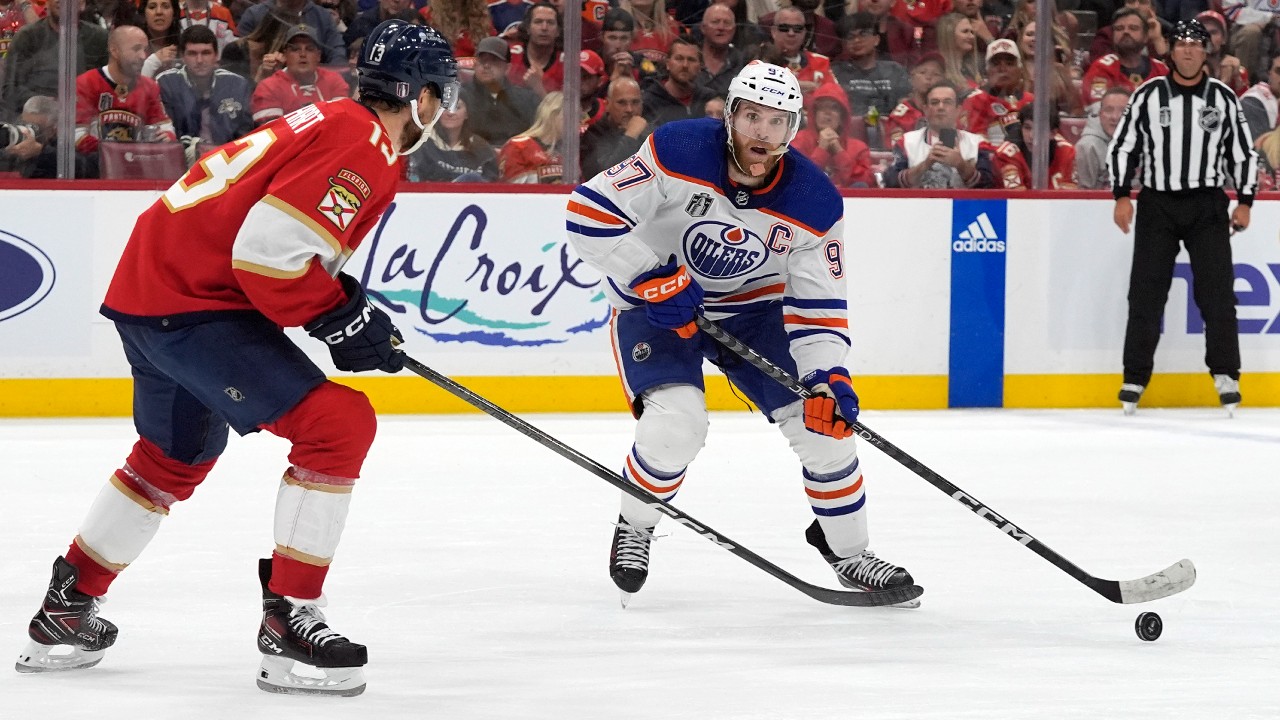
point(724, 219)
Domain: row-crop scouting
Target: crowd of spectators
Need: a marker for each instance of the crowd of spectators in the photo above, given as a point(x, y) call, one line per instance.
point(898, 93)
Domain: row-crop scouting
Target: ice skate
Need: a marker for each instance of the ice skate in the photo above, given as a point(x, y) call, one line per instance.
point(863, 571)
point(629, 558)
point(1228, 393)
point(1130, 394)
point(66, 634)
point(294, 631)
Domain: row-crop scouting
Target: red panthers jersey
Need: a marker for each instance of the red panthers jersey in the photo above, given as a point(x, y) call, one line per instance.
point(1015, 173)
point(108, 111)
point(988, 115)
point(525, 160)
point(263, 223)
point(904, 118)
point(1106, 73)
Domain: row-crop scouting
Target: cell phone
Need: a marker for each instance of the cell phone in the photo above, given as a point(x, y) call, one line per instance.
point(947, 136)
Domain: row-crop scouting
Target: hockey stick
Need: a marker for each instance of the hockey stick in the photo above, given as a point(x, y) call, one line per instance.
point(1173, 579)
point(821, 594)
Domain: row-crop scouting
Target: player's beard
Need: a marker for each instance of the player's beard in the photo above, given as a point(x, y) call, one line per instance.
point(756, 158)
point(411, 133)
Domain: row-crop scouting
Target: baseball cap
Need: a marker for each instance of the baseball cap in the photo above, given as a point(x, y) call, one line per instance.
point(496, 47)
point(929, 57)
point(1209, 16)
point(590, 62)
point(304, 30)
point(1003, 46)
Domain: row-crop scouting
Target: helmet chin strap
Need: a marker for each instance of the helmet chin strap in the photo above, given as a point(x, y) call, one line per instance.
point(426, 129)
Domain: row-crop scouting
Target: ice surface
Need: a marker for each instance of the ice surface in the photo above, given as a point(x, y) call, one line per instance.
point(474, 568)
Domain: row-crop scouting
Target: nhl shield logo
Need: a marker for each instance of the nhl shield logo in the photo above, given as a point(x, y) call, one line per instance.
point(698, 205)
point(1166, 117)
point(1210, 118)
point(641, 352)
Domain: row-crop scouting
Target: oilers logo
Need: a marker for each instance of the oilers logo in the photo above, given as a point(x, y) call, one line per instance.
point(718, 250)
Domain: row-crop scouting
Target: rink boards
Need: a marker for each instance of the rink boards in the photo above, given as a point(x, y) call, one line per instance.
point(969, 302)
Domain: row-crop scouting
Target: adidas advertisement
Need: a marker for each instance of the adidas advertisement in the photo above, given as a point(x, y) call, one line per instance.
point(976, 362)
point(979, 236)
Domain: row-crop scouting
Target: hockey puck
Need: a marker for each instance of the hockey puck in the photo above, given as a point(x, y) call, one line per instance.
point(1148, 626)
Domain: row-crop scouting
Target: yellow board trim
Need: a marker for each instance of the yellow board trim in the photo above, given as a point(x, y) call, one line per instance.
point(404, 394)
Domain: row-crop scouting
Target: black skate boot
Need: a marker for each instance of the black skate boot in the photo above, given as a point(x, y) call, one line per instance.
point(68, 619)
point(863, 571)
point(629, 558)
point(295, 632)
point(1130, 394)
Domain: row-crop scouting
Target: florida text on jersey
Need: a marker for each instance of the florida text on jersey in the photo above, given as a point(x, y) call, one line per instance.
point(746, 247)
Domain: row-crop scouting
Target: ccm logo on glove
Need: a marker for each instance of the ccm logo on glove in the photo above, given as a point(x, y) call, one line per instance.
point(353, 329)
point(672, 298)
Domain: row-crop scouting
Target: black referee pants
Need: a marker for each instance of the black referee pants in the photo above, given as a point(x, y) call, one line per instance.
point(1198, 218)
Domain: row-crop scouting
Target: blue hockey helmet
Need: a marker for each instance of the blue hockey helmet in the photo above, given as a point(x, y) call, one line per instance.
point(398, 60)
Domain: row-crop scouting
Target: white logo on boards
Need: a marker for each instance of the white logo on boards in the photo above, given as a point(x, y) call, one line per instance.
point(980, 236)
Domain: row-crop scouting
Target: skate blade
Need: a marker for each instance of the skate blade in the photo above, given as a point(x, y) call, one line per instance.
point(625, 598)
point(38, 658)
point(1130, 408)
point(276, 676)
point(1231, 409)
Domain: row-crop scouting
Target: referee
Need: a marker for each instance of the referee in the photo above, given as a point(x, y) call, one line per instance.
point(1185, 134)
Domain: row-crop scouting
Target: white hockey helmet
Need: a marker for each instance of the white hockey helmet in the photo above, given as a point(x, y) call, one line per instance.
point(769, 85)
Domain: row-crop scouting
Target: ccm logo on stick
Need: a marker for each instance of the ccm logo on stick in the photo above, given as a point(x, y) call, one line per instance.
point(690, 524)
point(987, 514)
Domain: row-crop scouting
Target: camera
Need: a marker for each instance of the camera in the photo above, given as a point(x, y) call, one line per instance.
point(12, 134)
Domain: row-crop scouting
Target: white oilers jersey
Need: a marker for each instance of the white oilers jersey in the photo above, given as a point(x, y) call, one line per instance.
point(747, 248)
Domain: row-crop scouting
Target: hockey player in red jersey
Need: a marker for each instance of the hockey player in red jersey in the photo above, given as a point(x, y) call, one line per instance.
point(252, 239)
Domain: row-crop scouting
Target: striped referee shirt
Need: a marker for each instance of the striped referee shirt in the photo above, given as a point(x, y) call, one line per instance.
point(1183, 138)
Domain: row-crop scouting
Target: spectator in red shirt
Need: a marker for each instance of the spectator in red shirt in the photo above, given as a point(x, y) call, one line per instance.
point(593, 78)
point(534, 156)
point(116, 103)
point(1129, 66)
point(910, 113)
point(988, 112)
point(1012, 157)
point(897, 38)
point(826, 141)
point(538, 48)
point(302, 82)
point(923, 16)
point(655, 29)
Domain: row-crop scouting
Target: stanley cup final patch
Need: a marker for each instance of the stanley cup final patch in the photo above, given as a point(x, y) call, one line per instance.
point(1210, 118)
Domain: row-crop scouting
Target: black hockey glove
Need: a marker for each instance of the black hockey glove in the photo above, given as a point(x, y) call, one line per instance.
point(358, 334)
